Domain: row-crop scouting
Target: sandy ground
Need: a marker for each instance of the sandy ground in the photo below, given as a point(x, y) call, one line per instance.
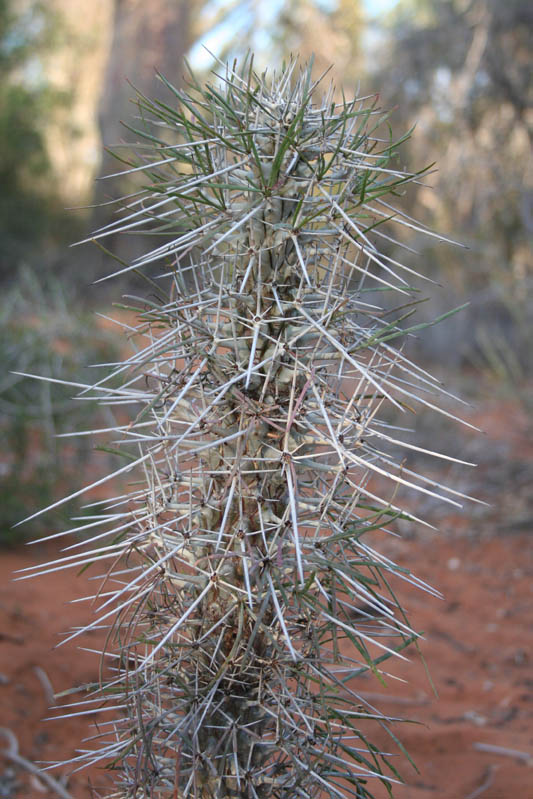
point(477, 645)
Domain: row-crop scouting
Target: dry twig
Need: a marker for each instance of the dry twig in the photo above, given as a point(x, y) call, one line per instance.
point(487, 780)
point(12, 753)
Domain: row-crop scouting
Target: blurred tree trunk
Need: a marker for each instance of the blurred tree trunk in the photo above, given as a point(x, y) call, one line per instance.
point(147, 36)
point(329, 32)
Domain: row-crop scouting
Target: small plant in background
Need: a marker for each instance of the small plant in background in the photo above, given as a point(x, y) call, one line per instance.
point(241, 591)
point(41, 333)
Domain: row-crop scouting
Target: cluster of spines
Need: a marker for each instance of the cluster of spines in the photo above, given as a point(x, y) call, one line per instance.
point(243, 598)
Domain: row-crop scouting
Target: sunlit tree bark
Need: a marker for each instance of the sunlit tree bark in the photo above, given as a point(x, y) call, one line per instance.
point(147, 38)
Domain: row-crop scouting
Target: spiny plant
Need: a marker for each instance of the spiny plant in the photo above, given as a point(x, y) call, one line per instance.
point(241, 593)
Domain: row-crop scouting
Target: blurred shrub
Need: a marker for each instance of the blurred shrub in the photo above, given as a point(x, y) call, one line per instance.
point(462, 71)
point(30, 213)
point(43, 335)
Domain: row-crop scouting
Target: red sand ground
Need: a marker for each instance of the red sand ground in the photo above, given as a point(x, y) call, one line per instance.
point(477, 645)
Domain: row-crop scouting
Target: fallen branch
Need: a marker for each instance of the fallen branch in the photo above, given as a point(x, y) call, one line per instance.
point(12, 753)
point(44, 679)
point(488, 779)
point(501, 750)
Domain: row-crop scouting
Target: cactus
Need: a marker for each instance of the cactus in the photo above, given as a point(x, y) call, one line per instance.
point(241, 592)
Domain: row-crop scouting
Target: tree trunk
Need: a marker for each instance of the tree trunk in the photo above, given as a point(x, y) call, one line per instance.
point(147, 37)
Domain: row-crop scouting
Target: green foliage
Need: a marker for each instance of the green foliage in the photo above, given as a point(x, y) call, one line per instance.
point(28, 207)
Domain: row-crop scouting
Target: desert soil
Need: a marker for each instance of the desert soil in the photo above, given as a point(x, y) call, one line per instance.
point(477, 645)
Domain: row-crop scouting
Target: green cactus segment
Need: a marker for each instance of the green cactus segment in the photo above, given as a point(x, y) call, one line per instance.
point(244, 595)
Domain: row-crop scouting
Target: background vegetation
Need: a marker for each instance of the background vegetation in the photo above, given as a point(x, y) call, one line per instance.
point(458, 68)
